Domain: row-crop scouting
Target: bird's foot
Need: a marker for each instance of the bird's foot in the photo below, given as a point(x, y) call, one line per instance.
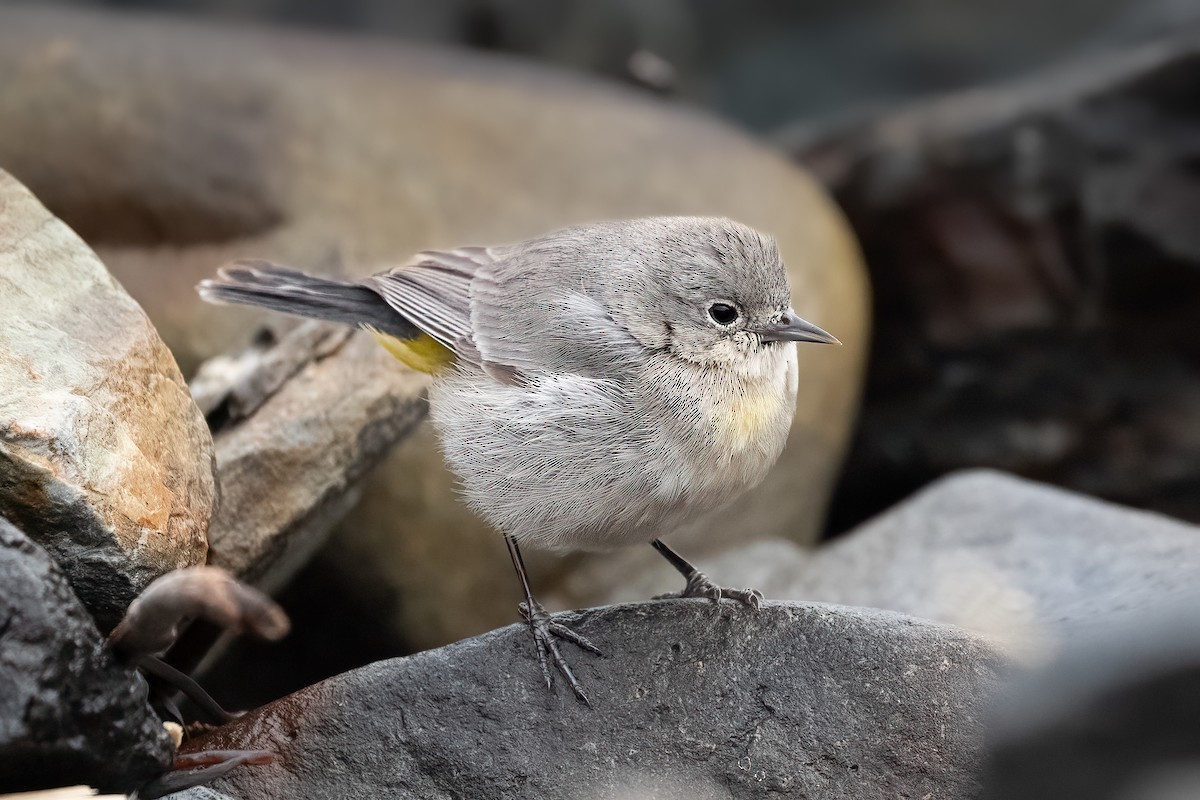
point(698, 585)
point(546, 633)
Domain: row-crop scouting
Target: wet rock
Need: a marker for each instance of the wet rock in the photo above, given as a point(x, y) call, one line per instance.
point(104, 459)
point(1037, 281)
point(1116, 718)
point(309, 152)
point(1028, 564)
point(68, 712)
point(801, 700)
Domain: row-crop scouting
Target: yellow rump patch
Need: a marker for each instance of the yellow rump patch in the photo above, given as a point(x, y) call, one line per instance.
point(424, 353)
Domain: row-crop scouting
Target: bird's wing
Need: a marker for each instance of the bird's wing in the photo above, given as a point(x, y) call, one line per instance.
point(433, 292)
point(511, 312)
point(534, 312)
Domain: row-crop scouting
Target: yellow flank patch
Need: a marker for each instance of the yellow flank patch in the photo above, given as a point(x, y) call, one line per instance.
point(424, 353)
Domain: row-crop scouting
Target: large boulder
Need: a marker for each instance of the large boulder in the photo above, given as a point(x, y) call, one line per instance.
point(691, 701)
point(175, 147)
point(104, 459)
point(69, 713)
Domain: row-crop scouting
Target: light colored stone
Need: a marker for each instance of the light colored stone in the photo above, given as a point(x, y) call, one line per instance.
point(1028, 564)
point(1115, 717)
point(206, 144)
point(104, 459)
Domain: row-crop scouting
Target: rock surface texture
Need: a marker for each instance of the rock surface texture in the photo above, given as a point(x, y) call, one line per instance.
point(104, 459)
point(68, 712)
point(1028, 564)
point(297, 423)
point(691, 701)
point(311, 147)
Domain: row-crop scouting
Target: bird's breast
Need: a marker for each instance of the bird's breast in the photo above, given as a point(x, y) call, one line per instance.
point(752, 411)
point(726, 428)
point(744, 415)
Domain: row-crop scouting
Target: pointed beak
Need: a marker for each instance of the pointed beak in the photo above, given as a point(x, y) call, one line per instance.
point(793, 329)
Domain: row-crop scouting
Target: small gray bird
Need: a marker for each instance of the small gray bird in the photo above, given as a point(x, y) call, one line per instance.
point(597, 386)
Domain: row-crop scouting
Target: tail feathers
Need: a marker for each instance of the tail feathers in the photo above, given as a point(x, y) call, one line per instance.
point(262, 283)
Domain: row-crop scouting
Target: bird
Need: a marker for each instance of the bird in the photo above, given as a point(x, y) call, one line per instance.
point(600, 385)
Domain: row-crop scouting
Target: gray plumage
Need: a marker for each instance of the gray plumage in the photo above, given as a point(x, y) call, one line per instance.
point(595, 402)
point(615, 431)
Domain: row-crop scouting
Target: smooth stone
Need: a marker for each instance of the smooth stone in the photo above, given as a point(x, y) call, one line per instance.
point(1031, 565)
point(801, 700)
point(1036, 262)
point(1115, 718)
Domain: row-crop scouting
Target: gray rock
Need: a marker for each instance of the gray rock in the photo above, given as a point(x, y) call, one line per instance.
point(691, 701)
point(104, 459)
point(1025, 563)
point(68, 712)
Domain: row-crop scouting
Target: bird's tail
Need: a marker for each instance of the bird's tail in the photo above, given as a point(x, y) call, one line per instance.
point(261, 283)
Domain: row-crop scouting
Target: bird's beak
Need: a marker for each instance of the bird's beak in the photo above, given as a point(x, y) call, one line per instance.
point(793, 329)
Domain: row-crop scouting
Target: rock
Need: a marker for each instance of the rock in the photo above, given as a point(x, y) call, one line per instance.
point(69, 713)
point(800, 700)
point(1037, 277)
point(1027, 564)
point(310, 146)
point(105, 461)
point(1117, 718)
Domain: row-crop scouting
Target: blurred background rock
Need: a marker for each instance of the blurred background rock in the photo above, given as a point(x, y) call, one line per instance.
point(764, 63)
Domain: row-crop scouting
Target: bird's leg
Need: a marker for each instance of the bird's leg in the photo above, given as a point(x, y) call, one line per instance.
point(547, 632)
point(698, 584)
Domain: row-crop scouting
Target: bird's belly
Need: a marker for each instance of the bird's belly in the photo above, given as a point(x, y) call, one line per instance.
point(573, 462)
point(561, 463)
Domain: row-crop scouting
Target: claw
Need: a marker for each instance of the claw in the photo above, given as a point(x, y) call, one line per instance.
point(546, 633)
point(698, 585)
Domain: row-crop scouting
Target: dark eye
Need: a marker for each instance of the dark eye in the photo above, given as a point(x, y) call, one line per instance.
point(723, 313)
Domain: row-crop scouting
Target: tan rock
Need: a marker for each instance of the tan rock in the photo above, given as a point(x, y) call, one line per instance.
point(320, 408)
point(104, 459)
point(188, 146)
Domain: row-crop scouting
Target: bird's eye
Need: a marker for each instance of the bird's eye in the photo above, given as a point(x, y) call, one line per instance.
point(723, 313)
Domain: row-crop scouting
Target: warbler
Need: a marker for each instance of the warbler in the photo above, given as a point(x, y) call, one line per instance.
point(600, 385)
